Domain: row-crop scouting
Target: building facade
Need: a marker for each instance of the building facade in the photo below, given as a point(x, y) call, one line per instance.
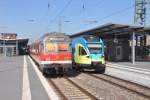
point(118, 48)
point(10, 45)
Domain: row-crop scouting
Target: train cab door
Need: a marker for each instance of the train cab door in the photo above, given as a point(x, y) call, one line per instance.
point(80, 54)
point(76, 55)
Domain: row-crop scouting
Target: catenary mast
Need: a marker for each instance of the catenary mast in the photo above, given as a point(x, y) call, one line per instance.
point(139, 19)
point(140, 12)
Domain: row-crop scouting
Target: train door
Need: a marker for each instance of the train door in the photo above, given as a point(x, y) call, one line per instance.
point(118, 53)
point(80, 54)
point(76, 55)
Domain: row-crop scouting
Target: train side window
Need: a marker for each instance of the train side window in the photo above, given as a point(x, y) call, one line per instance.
point(82, 51)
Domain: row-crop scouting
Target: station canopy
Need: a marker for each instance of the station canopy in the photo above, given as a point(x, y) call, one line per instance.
point(20, 41)
point(24, 41)
point(112, 28)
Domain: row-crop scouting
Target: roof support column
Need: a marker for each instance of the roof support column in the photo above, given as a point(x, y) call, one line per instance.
point(16, 47)
point(133, 48)
point(4, 47)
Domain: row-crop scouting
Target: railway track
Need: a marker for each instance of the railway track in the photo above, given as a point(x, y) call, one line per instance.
point(104, 87)
point(98, 86)
point(133, 87)
point(69, 90)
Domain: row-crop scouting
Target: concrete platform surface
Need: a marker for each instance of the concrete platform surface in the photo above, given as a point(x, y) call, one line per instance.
point(138, 73)
point(138, 65)
point(13, 84)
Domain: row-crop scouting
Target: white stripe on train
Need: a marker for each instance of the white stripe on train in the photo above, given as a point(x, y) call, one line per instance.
point(56, 62)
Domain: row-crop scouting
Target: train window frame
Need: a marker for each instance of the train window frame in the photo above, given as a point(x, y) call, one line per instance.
point(97, 50)
point(82, 51)
point(57, 49)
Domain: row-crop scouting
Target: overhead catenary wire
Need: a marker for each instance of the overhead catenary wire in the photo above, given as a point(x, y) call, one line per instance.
point(110, 15)
point(64, 8)
point(98, 3)
point(49, 6)
point(117, 12)
point(82, 12)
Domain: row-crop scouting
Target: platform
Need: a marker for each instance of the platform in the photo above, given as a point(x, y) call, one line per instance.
point(138, 65)
point(138, 73)
point(19, 80)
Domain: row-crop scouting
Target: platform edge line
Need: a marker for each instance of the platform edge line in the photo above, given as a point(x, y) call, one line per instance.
point(50, 92)
point(26, 92)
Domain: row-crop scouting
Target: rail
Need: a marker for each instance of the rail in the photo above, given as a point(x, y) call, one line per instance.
point(136, 88)
point(83, 90)
point(64, 92)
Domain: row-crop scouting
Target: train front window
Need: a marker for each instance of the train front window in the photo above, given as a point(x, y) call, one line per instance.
point(57, 47)
point(63, 47)
point(95, 50)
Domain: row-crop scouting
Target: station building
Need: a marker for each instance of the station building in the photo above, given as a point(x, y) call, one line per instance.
point(118, 40)
point(10, 45)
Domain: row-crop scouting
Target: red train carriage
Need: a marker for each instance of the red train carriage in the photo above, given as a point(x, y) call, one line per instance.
point(52, 52)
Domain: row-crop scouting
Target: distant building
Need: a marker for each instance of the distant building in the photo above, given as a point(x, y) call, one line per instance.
point(10, 45)
point(8, 36)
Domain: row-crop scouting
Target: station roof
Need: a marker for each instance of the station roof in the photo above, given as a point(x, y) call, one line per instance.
point(20, 40)
point(112, 28)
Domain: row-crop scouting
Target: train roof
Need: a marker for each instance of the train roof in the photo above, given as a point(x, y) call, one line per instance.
point(52, 35)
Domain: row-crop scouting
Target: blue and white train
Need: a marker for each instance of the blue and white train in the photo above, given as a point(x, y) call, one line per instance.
point(88, 53)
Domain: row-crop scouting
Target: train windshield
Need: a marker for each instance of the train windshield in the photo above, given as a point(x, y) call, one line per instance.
point(95, 48)
point(57, 47)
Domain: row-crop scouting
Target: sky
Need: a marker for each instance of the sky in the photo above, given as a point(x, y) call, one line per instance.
point(33, 18)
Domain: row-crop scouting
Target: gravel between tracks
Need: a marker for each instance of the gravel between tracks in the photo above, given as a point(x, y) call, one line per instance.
point(130, 85)
point(104, 90)
point(70, 91)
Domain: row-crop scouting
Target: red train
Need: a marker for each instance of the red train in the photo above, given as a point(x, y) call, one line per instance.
point(52, 52)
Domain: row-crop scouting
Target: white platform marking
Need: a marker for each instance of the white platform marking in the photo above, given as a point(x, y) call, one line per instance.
point(26, 93)
point(52, 95)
